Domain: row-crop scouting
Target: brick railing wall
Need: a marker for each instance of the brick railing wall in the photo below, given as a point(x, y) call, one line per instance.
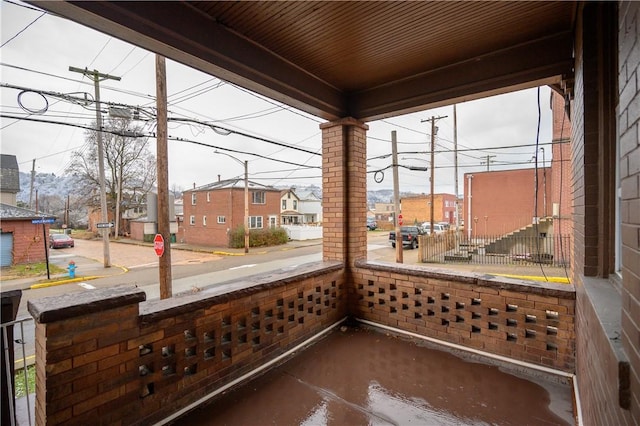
point(519, 319)
point(109, 357)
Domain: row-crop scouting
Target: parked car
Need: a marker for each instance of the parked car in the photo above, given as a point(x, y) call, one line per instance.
point(438, 228)
point(60, 241)
point(409, 236)
point(372, 224)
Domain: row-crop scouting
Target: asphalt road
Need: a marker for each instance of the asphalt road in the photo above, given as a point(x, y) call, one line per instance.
point(133, 264)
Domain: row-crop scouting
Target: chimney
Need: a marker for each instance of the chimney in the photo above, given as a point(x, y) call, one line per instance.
point(194, 185)
point(219, 178)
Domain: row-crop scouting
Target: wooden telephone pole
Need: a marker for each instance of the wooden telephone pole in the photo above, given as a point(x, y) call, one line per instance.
point(434, 130)
point(164, 227)
point(97, 77)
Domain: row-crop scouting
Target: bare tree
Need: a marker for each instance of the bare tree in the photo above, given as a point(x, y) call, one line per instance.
point(130, 167)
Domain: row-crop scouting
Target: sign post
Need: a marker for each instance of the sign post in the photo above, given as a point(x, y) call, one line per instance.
point(158, 245)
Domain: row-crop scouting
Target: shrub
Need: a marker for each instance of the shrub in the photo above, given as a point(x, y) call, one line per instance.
point(258, 237)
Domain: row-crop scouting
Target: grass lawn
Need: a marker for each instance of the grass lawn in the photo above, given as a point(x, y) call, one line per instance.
point(29, 270)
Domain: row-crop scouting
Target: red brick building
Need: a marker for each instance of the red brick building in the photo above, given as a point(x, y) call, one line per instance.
point(22, 241)
point(499, 202)
point(417, 209)
point(212, 211)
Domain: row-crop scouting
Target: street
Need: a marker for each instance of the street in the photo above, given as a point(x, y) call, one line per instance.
point(191, 271)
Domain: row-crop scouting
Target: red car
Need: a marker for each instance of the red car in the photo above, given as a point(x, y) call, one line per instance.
point(60, 241)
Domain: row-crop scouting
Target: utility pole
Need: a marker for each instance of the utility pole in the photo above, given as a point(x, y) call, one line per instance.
point(455, 168)
point(97, 77)
point(396, 196)
point(164, 228)
point(488, 161)
point(33, 178)
point(246, 206)
point(434, 130)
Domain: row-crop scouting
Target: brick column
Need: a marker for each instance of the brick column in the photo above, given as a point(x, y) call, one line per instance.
point(344, 190)
point(84, 360)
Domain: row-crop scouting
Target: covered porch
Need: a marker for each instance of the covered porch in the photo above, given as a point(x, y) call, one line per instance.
point(112, 356)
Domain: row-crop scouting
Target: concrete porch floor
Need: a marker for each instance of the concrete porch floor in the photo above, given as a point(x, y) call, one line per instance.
point(366, 376)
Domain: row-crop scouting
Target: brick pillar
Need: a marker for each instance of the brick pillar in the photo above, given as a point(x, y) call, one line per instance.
point(344, 190)
point(84, 362)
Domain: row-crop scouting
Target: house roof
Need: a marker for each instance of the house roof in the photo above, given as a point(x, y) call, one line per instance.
point(232, 184)
point(366, 60)
point(9, 174)
point(8, 212)
point(307, 195)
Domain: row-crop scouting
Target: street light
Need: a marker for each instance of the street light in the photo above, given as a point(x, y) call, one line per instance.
point(246, 198)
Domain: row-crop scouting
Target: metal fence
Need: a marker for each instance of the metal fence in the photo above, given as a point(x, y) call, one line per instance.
point(16, 337)
point(455, 247)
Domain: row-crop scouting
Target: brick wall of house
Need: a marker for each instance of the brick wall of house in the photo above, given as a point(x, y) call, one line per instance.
point(223, 202)
point(506, 198)
point(608, 391)
point(503, 317)
point(125, 361)
point(418, 208)
point(28, 245)
point(629, 133)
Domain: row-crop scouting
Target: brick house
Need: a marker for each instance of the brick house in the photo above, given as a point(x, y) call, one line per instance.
point(212, 211)
point(21, 241)
point(417, 209)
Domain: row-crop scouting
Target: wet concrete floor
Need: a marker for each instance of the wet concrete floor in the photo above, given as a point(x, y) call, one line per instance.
point(362, 376)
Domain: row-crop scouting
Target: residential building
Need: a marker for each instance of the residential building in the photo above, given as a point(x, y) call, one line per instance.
point(417, 208)
point(309, 206)
point(384, 211)
point(9, 179)
point(21, 240)
point(289, 203)
point(212, 211)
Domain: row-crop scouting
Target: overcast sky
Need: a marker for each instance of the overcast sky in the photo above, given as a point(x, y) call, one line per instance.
point(38, 49)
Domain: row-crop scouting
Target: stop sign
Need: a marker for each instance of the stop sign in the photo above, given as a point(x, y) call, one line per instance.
point(158, 244)
point(399, 219)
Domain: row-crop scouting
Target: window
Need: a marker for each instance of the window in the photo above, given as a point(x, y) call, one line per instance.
point(204, 220)
point(273, 221)
point(284, 204)
point(255, 222)
point(295, 204)
point(222, 219)
point(192, 220)
point(193, 198)
point(208, 197)
point(258, 197)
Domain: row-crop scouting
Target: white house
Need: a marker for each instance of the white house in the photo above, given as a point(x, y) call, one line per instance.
point(289, 205)
point(310, 206)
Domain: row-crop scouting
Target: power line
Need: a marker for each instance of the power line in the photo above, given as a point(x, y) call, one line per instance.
point(23, 30)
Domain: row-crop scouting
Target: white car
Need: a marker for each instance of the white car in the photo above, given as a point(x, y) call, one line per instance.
point(437, 228)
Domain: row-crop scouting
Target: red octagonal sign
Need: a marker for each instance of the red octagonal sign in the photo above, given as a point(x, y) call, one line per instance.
point(158, 244)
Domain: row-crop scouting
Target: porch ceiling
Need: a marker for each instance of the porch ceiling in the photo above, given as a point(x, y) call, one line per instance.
point(365, 60)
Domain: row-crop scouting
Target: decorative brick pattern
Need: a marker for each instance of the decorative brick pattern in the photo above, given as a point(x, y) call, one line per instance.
point(116, 366)
point(505, 317)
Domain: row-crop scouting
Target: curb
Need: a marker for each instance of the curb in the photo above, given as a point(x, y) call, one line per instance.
point(558, 280)
point(73, 280)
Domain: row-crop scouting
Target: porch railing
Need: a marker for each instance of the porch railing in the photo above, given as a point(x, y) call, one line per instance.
point(16, 336)
point(456, 247)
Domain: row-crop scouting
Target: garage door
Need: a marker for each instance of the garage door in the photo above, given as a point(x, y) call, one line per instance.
point(6, 249)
